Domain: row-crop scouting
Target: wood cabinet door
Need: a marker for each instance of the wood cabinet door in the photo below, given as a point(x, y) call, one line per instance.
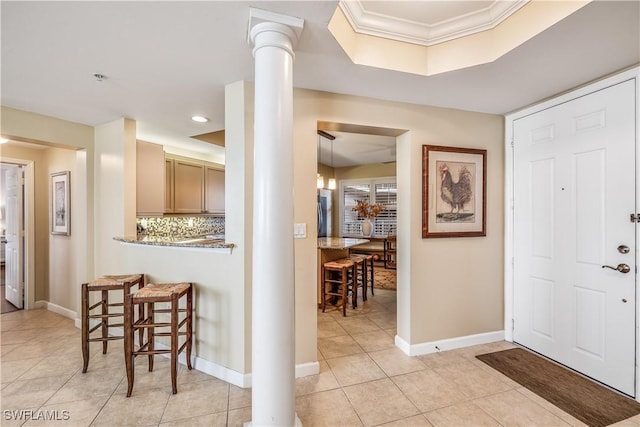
point(168, 186)
point(214, 184)
point(149, 176)
point(188, 187)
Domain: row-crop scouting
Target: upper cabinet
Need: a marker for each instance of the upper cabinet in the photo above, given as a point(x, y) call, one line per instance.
point(193, 186)
point(150, 171)
point(214, 189)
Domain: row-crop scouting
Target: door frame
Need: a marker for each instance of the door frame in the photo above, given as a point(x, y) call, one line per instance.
point(29, 230)
point(630, 74)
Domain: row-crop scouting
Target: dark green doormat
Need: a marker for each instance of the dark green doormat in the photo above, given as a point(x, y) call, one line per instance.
point(580, 397)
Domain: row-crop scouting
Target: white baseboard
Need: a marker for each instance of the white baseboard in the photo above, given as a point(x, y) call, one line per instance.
point(57, 309)
point(447, 344)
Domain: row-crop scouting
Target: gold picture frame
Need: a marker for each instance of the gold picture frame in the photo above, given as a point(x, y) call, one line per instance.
point(453, 192)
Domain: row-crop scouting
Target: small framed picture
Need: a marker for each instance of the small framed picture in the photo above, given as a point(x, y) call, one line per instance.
point(453, 191)
point(60, 203)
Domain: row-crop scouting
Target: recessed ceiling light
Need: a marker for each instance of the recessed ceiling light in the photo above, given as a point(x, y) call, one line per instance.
point(199, 119)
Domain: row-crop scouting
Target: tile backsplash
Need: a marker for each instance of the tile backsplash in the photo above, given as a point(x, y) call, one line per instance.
point(180, 226)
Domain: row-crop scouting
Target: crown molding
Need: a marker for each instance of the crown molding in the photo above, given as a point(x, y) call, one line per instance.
point(404, 30)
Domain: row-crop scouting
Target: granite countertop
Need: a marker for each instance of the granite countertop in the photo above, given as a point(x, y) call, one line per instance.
point(205, 241)
point(339, 242)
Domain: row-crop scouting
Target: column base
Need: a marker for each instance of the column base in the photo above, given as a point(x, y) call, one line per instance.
point(297, 423)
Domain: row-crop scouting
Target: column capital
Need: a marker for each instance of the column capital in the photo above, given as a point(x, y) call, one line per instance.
point(263, 20)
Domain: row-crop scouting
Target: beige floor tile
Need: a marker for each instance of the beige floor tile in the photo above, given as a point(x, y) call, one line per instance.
point(415, 421)
point(320, 355)
point(392, 332)
point(98, 383)
point(34, 349)
point(211, 420)
point(472, 379)
point(338, 346)
point(459, 415)
point(443, 358)
point(551, 407)
point(325, 380)
point(13, 369)
point(238, 417)
point(378, 402)
point(393, 362)
point(80, 413)
point(625, 423)
point(330, 328)
point(144, 407)
point(31, 393)
point(428, 390)
point(358, 325)
point(239, 397)
point(195, 399)
point(186, 375)
point(143, 379)
point(514, 409)
point(19, 337)
point(355, 369)
point(374, 341)
point(383, 320)
point(328, 408)
point(52, 366)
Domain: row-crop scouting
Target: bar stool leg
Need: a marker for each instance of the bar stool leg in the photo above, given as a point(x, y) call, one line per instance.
point(323, 288)
point(105, 319)
point(189, 323)
point(354, 285)
point(174, 342)
point(151, 333)
point(85, 328)
point(128, 342)
point(345, 292)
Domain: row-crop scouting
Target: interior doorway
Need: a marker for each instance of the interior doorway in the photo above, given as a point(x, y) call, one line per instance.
point(361, 160)
point(12, 235)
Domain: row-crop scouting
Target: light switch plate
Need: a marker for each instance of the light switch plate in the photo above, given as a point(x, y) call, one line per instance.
point(300, 230)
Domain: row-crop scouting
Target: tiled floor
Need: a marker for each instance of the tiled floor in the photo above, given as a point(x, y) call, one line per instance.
point(364, 380)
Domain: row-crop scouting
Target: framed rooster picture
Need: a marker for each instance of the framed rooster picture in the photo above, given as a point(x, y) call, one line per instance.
point(453, 191)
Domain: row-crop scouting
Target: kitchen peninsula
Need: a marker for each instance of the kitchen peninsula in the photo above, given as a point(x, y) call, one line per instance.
point(207, 241)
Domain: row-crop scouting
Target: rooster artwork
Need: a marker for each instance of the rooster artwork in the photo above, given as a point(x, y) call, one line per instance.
point(456, 194)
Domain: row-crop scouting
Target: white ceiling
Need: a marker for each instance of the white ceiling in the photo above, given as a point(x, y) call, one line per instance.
point(166, 61)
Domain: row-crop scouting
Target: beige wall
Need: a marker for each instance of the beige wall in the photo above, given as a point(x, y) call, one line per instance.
point(448, 288)
point(63, 281)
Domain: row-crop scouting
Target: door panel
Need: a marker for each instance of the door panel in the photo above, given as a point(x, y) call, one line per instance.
point(574, 188)
point(13, 263)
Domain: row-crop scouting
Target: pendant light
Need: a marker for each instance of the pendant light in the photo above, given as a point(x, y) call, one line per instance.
point(319, 177)
point(332, 180)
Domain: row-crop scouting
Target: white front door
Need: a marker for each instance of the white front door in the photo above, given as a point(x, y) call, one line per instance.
point(574, 192)
point(13, 261)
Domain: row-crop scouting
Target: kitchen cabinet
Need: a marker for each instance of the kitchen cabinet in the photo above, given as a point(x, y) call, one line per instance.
point(214, 186)
point(149, 172)
point(188, 186)
point(168, 185)
point(193, 186)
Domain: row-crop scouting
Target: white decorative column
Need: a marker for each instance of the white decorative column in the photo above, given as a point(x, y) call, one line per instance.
point(273, 305)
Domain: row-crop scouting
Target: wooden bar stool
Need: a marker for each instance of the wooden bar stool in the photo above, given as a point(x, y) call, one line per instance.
point(104, 284)
point(367, 272)
point(150, 295)
point(333, 286)
point(360, 277)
